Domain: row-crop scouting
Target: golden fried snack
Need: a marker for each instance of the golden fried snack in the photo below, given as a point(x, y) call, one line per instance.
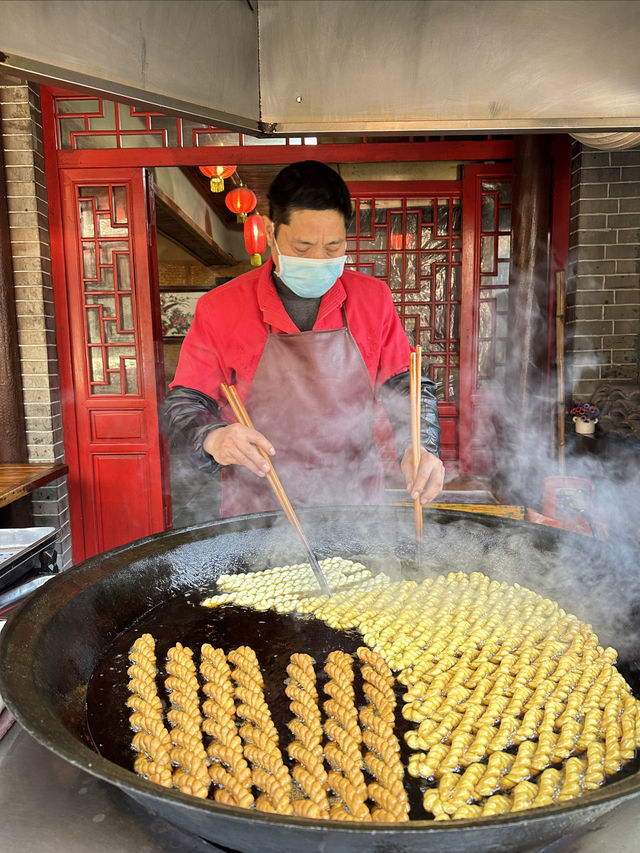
point(261, 747)
point(495, 675)
point(382, 758)
point(343, 751)
point(228, 768)
point(283, 587)
point(306, 748)
point(153, 763)
point(552, 693)
point(151, 738)
point(142, 677)
point(191, 774)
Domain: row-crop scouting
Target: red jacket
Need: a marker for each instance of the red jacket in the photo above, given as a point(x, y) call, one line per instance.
point(228, 334)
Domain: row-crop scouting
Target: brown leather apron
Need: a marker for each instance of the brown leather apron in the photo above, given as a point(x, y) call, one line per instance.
point(311, 396)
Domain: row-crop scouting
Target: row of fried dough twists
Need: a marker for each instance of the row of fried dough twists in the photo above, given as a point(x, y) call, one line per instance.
point(514, 702)
point(348, 769)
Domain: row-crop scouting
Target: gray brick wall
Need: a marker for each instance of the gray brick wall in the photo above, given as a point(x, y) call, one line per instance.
point(603, 282)
point(28, 222)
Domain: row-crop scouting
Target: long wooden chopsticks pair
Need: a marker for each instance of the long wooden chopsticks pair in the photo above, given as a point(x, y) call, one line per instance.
point(241, 414)
point(415, 383)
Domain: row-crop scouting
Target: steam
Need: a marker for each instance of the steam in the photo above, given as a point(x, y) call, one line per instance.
point(596, 580)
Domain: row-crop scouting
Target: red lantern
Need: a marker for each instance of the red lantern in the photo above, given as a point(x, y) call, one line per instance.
point(255, 238)
point(217, 175)
point(240, 201)
point(401, 241)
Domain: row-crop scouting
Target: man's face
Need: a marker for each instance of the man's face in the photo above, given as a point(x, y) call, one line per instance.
point(309, 234)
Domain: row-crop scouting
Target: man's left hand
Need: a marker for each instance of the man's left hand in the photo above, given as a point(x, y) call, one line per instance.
point(429, 479)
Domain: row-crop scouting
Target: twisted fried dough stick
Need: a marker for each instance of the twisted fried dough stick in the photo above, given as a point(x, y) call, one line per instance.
point(450, 799)
point(383, 756)
point(566, 701)
point(227, 767)
point(142, 673)
point(153, 762)
point(306, 749)
point(191, 774)
point(261, 748)
point(492, 668)
point(151, 739)
point(343, 753)
point(453, 791)
point(569, 686)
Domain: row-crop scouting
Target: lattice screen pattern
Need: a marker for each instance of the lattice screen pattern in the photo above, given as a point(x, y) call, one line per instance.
point(414, 244)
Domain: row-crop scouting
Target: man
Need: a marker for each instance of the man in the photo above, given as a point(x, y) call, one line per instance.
point(309, 346)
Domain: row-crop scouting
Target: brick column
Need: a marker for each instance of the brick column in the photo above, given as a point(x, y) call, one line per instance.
point(603, 286)
point(28, 221)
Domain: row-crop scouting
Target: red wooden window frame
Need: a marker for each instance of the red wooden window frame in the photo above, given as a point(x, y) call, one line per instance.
point(448, 409)
point(370, 150)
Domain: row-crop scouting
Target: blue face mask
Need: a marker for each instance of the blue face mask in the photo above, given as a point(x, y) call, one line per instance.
point(309, 277)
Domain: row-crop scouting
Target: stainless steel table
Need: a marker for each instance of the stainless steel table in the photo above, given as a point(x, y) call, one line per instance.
point(49, 806)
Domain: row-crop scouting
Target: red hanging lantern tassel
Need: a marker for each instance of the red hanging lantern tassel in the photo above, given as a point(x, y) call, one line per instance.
point(255, 238)
point(240, 201)
point(217, 175)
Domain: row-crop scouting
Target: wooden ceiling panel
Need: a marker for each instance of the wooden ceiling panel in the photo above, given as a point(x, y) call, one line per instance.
point(256, 177)
point(172, 221)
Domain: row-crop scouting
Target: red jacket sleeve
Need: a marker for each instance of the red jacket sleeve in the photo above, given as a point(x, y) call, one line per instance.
point(200, 365)
point(394, 346)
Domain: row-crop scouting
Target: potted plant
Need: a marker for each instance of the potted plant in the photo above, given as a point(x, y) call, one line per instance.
point(585, 417)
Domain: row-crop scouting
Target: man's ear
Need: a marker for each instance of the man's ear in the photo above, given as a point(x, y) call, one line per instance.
point(269, 229)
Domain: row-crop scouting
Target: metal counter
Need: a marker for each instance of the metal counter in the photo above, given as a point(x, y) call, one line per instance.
point(49, 806)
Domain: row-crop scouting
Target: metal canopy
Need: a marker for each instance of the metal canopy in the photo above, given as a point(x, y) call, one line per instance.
point(198, 58)
point(341, 66)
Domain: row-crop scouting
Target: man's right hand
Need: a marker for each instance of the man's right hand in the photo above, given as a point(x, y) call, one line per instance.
point(239, 445)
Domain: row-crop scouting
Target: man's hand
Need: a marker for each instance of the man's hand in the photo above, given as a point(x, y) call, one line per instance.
point(237, 444)
point(430, 477)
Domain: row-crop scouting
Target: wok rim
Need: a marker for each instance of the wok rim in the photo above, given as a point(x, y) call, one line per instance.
point(33, 715)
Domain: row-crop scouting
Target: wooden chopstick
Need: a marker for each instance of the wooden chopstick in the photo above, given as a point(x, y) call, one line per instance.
point(415, 372)
point(242, 415)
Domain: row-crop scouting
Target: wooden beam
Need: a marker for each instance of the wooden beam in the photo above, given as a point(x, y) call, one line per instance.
point(527, 435)
point(367, 152)
point(175, 224)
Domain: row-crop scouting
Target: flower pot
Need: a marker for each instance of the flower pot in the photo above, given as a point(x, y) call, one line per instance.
point(584, 427)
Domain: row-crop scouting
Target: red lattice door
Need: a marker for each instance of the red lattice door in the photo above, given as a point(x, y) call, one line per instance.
point(108, 361)
point(486, 246)
point(409, 235)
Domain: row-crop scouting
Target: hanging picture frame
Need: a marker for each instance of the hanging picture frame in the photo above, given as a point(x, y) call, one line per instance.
point(177, 310)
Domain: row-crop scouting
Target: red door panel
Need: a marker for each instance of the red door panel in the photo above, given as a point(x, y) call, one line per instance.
point(123, 499)
point(110, 401)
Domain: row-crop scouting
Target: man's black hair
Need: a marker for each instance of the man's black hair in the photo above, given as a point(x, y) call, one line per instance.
point(307, 185)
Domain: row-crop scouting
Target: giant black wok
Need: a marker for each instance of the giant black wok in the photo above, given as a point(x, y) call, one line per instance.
point(50, 647)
